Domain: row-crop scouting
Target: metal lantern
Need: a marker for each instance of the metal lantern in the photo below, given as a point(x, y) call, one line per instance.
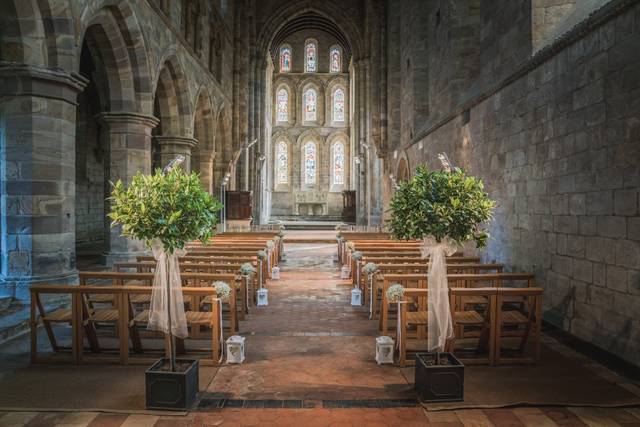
point(345, 273)
point(275, 273)
point(263, 297)
point(356, 296)
point(235, 349)
point(384, 350)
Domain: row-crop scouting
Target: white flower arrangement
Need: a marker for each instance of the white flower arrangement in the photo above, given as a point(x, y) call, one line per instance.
point(281, 233)
point(395, 293)
point(270, 244)
point(350, 245)
point(262, 254)
point(370, 268)
point(357, 255)
point(247, 269)
point(223, 290)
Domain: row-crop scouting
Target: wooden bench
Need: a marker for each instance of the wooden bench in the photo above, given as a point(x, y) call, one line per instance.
point(82, 320)
point(491, 320)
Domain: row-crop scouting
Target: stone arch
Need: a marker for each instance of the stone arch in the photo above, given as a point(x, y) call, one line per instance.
point(332, 140)
point(327, 10)
point(317, 85)
point(203, 154)
point(22, 33)
point(171, 99)
point(337, 82)
point(292, 102)
point(173, 135)
point(403, 171)
point(119, 25)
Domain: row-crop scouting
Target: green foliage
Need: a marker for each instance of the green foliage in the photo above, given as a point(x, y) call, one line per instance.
point(172, 207)
point(441, 204)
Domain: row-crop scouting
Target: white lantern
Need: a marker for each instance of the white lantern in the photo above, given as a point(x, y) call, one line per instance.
point(263, 297)
point(356, 296)
point(384, 350)
point(345, 273)
point(275, 273)
point(235, 349)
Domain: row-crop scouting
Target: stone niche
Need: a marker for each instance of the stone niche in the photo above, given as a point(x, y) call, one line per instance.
point(310, 203)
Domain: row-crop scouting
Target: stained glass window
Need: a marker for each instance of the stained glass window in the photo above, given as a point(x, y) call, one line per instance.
point(338, 163)
point(311, 56)
point(338, 105)
point(282, 163)
point(310, 105)
point(335, 60)
point(310, 163)
point(285, 59)
point(283, 105)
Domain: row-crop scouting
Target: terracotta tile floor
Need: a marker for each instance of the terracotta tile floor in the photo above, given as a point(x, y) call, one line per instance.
point(309, 344)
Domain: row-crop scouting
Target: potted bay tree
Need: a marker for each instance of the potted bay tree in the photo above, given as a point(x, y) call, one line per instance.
point(445, 209)
point(166, 210)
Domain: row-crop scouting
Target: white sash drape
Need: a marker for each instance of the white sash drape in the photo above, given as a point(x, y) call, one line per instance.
point(440, 325)
point(163, 303)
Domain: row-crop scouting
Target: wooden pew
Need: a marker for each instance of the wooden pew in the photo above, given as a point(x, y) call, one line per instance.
point(78, 315)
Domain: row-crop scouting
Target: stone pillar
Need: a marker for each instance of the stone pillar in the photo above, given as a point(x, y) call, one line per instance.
point(171, 146)
point(207, 161)
point(128, 138)
point(37, 177)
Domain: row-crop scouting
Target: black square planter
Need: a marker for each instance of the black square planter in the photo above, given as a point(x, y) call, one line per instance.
point(168, 390)
point(439, 383)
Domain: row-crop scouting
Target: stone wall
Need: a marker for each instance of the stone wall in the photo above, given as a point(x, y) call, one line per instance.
point(558, 147)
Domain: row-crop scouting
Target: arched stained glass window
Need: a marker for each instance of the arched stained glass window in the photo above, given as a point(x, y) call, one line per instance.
point(338, 163)
point(282, 163)
point(310, 56)
point(338, 105)
point(283, 106)
point(335, 60)
point(310, 161)
point(285, 59)
point(310, 105)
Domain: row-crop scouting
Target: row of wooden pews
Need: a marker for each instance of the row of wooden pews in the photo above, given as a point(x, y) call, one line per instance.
point(108, 311)
point(496, 314)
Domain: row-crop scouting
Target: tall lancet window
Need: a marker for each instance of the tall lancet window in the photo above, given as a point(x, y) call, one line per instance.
point(285, 59)
point(310, 56)
point(283, 106)
point(310, 161)
point(335, 60)
point(310, 106)
point(338, 163)
point(282, 163)
point(338, 105)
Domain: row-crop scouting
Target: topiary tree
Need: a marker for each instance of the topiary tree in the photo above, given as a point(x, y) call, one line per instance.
point(441, 204)
point(445, 209)
point(166, 211)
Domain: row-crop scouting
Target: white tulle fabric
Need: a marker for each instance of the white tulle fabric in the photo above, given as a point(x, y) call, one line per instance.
point(440, 325)
point(161, 305)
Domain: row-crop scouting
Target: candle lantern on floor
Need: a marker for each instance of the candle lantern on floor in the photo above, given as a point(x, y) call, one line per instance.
point(345, 273)
point(384, 350)
point(235, 349)
point(356, 296)
point(275, 273)
point(263, 297)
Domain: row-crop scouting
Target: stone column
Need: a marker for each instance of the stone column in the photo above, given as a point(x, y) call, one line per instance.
point(207, 161)
point(37, 177)
point(171, 146)
point(128, 138)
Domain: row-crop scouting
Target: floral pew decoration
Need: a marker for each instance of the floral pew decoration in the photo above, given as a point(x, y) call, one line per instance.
point(370, 269)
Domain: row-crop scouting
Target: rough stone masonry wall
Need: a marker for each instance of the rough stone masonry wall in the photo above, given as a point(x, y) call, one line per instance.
point(559, 150)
